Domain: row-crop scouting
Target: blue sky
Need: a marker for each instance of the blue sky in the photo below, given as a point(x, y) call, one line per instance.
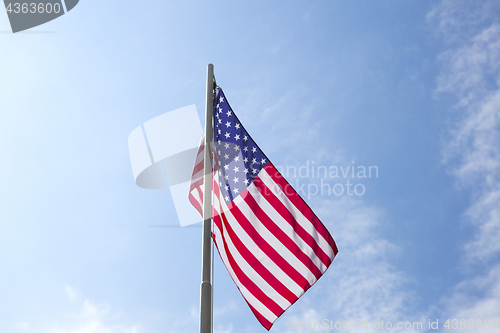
point(411, 87)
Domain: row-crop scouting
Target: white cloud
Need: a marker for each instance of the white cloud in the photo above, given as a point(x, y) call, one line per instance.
point(223, 329)
point(483, 307)
point(485, 215)
point(457, 20)
point(70, 292)
point(365, 285)
point(469, 66)
point(228, 308)
point(471, 72)
point(23, 326)
point(92, 318)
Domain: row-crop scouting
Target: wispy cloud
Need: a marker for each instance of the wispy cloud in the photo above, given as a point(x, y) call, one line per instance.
point(22, 326)
point(471, 72)
point(93, 318)
point(459, 20)
point(362, 283)
point(70, 292)
point(485, 215)
point(486, 303)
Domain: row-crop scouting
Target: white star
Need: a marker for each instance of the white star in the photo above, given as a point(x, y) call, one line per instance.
point(220, 121)
point(228, 113)
point(228, 124)
point(235, 190)
point(245, 138)
point(245, 160)
point(237, 126)
point(254, 171)
point(220, 172)
point(218, 131)
point(236, 169)
point(220, 183)
point(226, 187)
point(227, 135)
point(246, 181)
point(235, 180)
point(226, 167)
point(263, 161)
point(245, 148)
point(237, 136)
point(237, 158)
point(219, 162)
point(226, 156)
point(236, 147)
point(219, 152)
point(226, 145)
point(245, 171)
point(219, 141)
point(221, 99)
point(254, 150)
point(226, 177)
point(227, 198)
point(254, 160)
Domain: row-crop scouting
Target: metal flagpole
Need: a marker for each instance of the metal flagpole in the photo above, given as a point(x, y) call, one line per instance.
point(206, 261)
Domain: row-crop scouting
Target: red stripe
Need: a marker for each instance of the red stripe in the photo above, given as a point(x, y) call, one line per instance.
point(246, 281)
point(285, 239)
point(195, 203)
point(282, 237)
point(216, 191)
point(218, 222)
point(253, 261)
point(264, 322)
point(300, 204)
point(198, 167)
point(227, 233)
point(215, 188)
point(200, 194)
point(202, 145)
point(288, 216)
point(197, 183)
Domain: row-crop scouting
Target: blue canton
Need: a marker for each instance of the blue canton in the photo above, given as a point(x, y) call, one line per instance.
point(238, 159)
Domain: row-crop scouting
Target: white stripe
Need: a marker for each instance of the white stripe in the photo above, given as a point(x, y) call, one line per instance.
point(197, 176)
point(249, 271)
point(199, 156)
point(254, 302)
point(274, 269)
point(258, 306)
point(299, 217)
point(196, 196)
point(288, 230)
point(277, 245)
point(216, 198)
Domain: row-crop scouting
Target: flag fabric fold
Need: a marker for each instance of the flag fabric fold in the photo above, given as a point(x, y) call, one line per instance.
point(271, 242)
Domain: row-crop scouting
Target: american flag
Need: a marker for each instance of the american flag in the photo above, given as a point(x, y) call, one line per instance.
point(272, 244)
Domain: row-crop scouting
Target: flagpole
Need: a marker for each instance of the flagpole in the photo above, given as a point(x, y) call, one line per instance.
point(206, 262)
